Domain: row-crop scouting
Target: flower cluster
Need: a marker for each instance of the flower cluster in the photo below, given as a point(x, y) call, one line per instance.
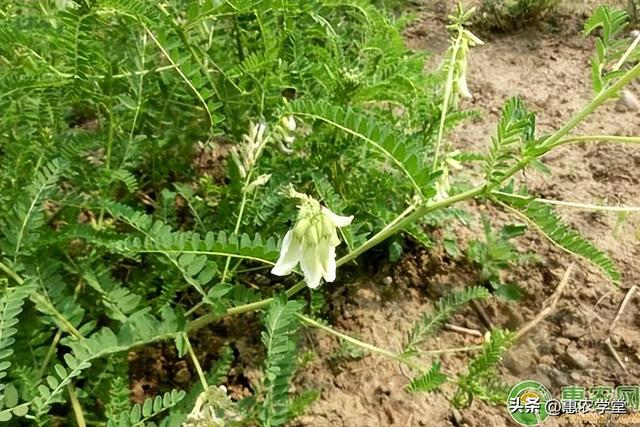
point(311, 242)
point(285, 133)
point(213, 408)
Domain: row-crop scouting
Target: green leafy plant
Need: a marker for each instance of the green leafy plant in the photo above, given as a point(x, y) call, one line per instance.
point(507, 15)
point(496, 253)
point(154, 156)
point(481, 380)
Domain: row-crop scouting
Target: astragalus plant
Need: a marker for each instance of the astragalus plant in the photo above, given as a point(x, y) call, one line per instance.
point(318, 137)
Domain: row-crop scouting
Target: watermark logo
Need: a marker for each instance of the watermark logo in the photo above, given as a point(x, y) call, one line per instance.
point(530, 404)
point(527, 403)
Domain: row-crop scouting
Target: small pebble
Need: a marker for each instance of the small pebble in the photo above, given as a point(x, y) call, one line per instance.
point(519, 363)
point(574, 331)
point(577, 360)
point(627, 102)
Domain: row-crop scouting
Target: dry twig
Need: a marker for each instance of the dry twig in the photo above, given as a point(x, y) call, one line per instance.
point(553, 301)
point(607, 342)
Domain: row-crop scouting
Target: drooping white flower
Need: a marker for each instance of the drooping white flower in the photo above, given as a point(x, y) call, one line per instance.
point(312, 242)
point(289, 122)
point(463, 89)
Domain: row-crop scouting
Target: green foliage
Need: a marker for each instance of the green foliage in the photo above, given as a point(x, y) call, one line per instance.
point(21, 225)
point(508, 15)
point(496, 253)
point(280, 340)
point(139, 415)
point(428, 381)
point(11, 305)
point(397, 149)
point(125, 214)
point(544, 218)
point(609, 47)
point(516, 131)
point(430, 323)
point(480, 379)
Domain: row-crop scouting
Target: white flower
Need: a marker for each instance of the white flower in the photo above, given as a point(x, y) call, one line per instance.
point(213, 408)
point(463, 89)
point(441, 191)
point(289, 122)
point(312, 243)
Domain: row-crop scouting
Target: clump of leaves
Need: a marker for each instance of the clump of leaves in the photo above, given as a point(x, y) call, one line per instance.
point(508, 15)
point(495, 254)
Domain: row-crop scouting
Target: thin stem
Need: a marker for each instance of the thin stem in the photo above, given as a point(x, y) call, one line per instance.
point(407, 217)
point(236, 230)
point(179, 71)
point(361, 344)
point(599, 99)
point(453, 350)
point(15, 276)
point(379, 237)
point(50, 352)
point(241, 309)
point(624, 57)
point(110, 136)
point(138, 103)
point(243, 204)
point(44, 302)
point(597, 138)
point(194, 359)
point(75, 404)
point(584, 206)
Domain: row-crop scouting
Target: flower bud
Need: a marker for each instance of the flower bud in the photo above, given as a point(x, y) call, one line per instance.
point(300, 229)
point(258, 182)
point(289, 123)
point(312, 236)
point(239, 164)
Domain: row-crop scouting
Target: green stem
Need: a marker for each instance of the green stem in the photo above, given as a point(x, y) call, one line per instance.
point(44, 302)
point(50, 352)
point(600, 98)
point(194, 359)
point(75, 404)
point(236, 230)
point(361, 344)
point(453, 350)
point(180, 72)
point(597, 138)
point(395, 226)
point(241, 309)
point(585, 206)
point(243, 204)
point(626, 54)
